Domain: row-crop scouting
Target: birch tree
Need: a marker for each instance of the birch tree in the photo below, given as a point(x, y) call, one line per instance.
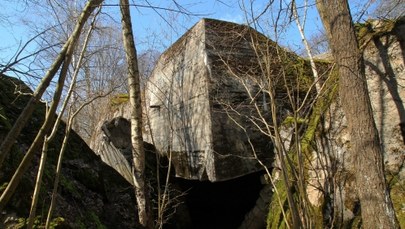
point(138, 152)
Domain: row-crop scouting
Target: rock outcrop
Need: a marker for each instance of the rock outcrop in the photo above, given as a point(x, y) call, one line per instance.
point(111, 140)
point(91, 193)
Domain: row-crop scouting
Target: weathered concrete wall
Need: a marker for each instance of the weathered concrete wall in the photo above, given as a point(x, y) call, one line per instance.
point(184, 100)
point(178, 107)
point(233, 66)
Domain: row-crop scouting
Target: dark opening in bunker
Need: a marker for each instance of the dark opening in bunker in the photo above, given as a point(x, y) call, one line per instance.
point(221, 204)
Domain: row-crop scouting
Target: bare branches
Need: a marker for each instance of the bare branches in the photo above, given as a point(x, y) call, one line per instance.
point(52, 135)
point(64, 58)
point(157, 8)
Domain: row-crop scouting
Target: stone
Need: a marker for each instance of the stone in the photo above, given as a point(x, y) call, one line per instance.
point(91, 194)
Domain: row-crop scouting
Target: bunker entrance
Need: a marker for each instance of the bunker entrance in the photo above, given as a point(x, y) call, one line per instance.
point(220, 204)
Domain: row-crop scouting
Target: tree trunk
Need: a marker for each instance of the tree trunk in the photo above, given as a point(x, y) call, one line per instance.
point(24, 165)
point(29, 108)
point(68, 123)
point(376, 206)
point(38, 183)
point(138, 153)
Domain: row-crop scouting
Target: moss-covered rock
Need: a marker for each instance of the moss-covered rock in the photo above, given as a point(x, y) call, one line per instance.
point(89, 190)
point(397, 192)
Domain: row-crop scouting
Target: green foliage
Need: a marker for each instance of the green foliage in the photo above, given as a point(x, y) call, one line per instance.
point(55, 222)
point(21, 223)
point(80, 225)
point(3, 186)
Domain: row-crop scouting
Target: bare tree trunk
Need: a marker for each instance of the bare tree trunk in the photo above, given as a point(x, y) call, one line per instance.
point(50, 117)
point(38, 183)
point(71, 43)
point(58, 172)
point(50, 138)
point(69, 122)
point(376, 206)
point(138, 152)
point(29, 108)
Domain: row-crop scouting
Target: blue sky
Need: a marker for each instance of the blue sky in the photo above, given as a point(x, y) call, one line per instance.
point(224, 10)
point(156, 29)
point(146, 22)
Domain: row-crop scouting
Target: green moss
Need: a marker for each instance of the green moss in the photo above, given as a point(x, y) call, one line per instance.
point(290, 120)
point(367, 31)
point(4, 121)
point(69, 187)
point(299, 77)
point(397, 192)
point(119, 99)
point(94, 218)
point(275, 218)
point(325, 99)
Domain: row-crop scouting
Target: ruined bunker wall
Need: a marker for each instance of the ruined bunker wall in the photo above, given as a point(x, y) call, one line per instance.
point(233, 72)
point(178, 106)
point(204, 92)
